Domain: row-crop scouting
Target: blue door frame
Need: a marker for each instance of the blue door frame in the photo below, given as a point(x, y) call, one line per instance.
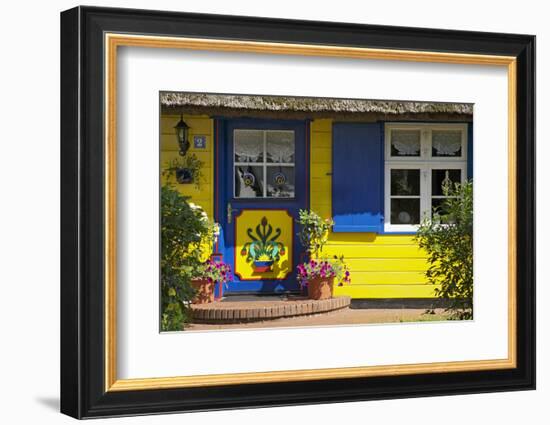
point(224, 180)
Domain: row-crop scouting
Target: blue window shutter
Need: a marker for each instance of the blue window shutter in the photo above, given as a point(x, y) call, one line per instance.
point(470, 164)
point(357, 177)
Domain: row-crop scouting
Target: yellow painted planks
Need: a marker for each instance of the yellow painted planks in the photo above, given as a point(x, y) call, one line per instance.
point(387, 264)
point(386, 291)
point(387, 278)
point(374, 251)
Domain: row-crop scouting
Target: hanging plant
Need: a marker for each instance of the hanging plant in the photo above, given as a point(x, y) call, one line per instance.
point(185, 170)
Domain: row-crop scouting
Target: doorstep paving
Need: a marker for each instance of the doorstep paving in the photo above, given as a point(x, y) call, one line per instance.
point(344, 316)
point(265, 309)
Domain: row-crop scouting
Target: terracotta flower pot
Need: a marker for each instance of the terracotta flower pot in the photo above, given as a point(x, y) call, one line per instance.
point(320, 288)
point(205, 291)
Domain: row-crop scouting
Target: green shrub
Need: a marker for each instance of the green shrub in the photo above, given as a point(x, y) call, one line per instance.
point(448, 240)
point(184, 227)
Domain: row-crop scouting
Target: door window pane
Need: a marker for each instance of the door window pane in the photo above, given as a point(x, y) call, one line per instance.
point(280, 146)
point(280, 182)
point(405, 182)
point(248, 145)
point(446, 143)
point(249, 181)
point(405, 211)
point(405, 143)
point(444, 177)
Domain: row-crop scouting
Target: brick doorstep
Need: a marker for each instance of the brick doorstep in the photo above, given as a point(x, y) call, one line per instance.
point(250, 311)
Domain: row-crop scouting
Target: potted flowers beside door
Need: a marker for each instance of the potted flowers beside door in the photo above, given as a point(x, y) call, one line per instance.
point(318, 276)
point(320, 272)
point(205, 277)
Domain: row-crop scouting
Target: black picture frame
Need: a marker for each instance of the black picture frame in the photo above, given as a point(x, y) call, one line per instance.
point(83, 392)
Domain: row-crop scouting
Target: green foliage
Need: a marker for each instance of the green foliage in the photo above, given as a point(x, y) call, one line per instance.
point(183, 229)
point(189, 162)
point(448, 240)
point(313, 232)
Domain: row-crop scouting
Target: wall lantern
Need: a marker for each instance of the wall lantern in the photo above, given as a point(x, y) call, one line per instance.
point(182, 133)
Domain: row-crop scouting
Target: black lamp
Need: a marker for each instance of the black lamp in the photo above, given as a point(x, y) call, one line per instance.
point(182, 133)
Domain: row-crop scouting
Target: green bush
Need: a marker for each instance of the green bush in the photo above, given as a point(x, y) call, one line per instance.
point(448, 240)
point(184, 227)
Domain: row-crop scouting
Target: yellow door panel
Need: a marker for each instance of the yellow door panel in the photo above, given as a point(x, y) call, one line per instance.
point(258, 234)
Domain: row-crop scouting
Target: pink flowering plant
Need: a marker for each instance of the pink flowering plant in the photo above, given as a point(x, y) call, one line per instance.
point(324, 268)
point(214, 271)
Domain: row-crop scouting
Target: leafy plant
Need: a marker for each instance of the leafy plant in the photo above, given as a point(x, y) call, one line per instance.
point(448, 240)
point(184, 230)
point(324, 268)
point(189, 164)
point(313, 232)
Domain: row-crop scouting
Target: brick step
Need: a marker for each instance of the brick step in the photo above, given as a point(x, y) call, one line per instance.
point(250, 311)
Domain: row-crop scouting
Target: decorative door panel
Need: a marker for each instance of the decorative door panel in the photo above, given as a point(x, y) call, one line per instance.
point(264, 244)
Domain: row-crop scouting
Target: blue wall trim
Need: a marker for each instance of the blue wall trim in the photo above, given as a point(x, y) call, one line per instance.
point(358, 177)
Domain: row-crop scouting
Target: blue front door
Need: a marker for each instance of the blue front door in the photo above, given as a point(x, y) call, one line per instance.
point(262, 185)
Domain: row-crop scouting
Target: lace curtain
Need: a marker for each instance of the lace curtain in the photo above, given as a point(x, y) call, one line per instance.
point(249, 146)
point(446, 143)
point(406, 142)
point(280, 146)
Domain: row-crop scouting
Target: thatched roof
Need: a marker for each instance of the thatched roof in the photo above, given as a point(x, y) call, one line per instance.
point(313, 107)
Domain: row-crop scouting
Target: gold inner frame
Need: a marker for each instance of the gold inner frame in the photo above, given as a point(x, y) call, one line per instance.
point(113, 41)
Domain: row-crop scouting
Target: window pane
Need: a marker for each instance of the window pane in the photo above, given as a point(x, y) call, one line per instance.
point(249, 182)
point(441, 177)
point(405, 182)
point(405, 142)
point(405, 211)
point(249, 145)
point(280, 182)
point(280, 146)
point(446, 143)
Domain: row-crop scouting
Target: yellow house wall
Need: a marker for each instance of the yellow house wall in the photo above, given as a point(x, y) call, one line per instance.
point(199, 126)
point(381, 266)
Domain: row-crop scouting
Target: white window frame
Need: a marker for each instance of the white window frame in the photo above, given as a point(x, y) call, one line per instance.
point(425, 163)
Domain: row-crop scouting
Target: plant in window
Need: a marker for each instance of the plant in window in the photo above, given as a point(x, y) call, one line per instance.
point(185, 170)
point(448, 240)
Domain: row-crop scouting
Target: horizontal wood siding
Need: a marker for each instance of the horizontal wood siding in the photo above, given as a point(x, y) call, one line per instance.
point(199, 126)
point(382, 265)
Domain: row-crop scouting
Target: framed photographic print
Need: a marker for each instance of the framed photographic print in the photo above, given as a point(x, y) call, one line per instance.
point(261, 212)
